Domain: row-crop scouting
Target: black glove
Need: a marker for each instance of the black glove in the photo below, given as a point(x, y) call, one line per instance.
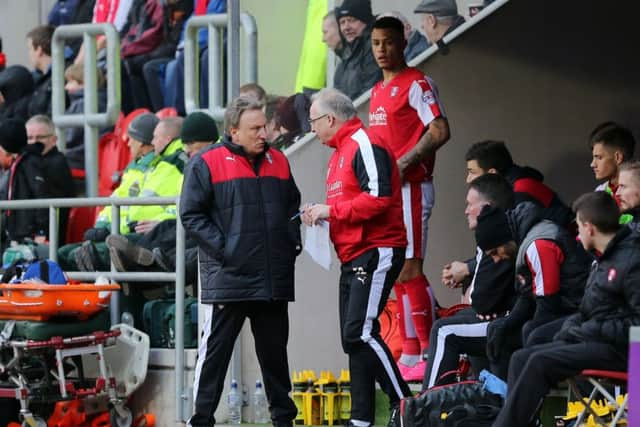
point(97, 234)
point(496, 335)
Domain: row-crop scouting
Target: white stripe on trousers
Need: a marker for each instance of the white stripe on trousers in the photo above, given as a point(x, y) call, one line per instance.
point(385, 256)
point(469, 330)
point(202, 348)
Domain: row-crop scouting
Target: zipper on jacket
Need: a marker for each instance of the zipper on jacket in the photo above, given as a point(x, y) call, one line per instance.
point(256, 170)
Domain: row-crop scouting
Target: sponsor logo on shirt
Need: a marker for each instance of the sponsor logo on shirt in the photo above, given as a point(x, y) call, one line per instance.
point(378, 117)
point(334, 189)
point(428, 97)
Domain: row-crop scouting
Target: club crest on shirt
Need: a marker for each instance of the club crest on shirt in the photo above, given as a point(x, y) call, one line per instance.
point(394, 90)
point(378, 117)
point(428, 97)
point(611, 276)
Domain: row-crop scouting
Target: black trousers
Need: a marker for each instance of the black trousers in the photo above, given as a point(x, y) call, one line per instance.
point(534, 370)
point(365, 284)
point(270, 328)
point(462, 333)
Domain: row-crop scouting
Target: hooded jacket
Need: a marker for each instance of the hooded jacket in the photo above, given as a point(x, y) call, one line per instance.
point(363, 192)
point(611, 302)
point(550, 303)
point(27, 181)
point(528, 185)
point(238, 211)
point(358, 71)
point(16, 86)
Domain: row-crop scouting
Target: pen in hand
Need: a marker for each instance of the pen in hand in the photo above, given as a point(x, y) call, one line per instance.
point(296, 215)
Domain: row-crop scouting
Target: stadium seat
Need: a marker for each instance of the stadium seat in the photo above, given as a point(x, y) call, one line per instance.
point(599, 379)
point(81, 218)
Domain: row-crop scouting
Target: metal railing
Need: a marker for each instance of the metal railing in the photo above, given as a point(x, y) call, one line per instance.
point(91, 119)
point(179, 276)
point(215, 23)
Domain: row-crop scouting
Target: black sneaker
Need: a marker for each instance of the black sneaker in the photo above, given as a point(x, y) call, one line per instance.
point(394, 416)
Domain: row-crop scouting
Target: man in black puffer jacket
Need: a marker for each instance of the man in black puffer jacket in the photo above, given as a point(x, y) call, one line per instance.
point(597, 336)
point(239, 203)
point(551, 270)
point(26, 181)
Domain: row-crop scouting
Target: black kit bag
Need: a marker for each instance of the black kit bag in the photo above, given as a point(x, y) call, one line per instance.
point(426, 409)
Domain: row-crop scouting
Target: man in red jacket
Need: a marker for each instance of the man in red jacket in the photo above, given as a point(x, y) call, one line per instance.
point(364, 210)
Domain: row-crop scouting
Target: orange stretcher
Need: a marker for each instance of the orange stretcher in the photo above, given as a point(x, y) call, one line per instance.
point(40, 302)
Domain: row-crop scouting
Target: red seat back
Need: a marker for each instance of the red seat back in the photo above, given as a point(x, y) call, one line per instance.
point(80, 220)
point(166, 112)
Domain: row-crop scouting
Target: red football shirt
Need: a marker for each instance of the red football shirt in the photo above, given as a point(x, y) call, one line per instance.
point(400, 111)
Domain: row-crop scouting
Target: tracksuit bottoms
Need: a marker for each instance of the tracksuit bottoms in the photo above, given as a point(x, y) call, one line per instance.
point(365, 284)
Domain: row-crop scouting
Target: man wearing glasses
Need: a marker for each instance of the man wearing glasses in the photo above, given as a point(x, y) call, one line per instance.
point(364, 209)
point(40, 129)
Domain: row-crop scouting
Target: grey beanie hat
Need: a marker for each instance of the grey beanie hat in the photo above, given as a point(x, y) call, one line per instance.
point(438, 7)
point(141, 128)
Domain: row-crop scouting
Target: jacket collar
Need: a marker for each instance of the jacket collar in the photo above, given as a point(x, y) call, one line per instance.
point(348, 128)
point(620, 236)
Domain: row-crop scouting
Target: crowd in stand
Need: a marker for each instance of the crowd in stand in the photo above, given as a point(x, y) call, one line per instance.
point(549, 291)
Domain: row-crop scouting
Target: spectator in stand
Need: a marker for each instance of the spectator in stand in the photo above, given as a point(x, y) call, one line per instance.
point(74, 136)
point(406, 112)
point(357, 71)
point(271, 107)
point(331, 33)
point(107, 11)
point(174, 70)
point(416, 42)
point(597, 336)
point(438, 18)
point(6, 159)
point(26, 181)
point(39, 46)
point(494, 157)
point(40, 129)
point(140, 40)
point(254, 90)
point(140, 135)
point(292, 118)
point(176, 14)
point(628, 192)
point(62, 12)
point(611, 145)
point(16, 87)
point(551, 270)
point(82, 14)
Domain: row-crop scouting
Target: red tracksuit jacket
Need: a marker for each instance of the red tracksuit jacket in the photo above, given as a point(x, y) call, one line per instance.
point(363, 192)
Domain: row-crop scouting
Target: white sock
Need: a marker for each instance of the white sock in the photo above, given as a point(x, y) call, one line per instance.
point(409, 359)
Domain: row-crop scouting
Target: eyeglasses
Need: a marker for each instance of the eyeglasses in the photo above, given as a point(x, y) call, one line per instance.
point(38, 137)
point(317, 118)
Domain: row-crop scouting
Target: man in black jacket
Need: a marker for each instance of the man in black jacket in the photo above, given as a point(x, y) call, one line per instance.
point(26, 181)
point(357, 71)
point(57, 174)
point(39, 46)
point(551, 270)
point(597, 337)
point(491, 291)
point(237, 202)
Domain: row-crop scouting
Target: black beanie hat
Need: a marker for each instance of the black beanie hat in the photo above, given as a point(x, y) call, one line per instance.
point(493, 228)
point(359, 9)
point(199, 127)
point(13, 135)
